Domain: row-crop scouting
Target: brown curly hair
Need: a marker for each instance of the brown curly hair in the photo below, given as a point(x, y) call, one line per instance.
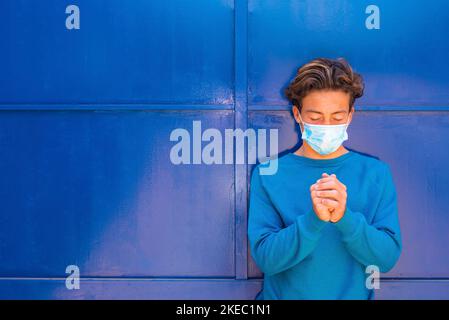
point(325, 74)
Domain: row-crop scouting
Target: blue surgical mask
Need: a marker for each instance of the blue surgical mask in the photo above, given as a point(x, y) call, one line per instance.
point(324, 139)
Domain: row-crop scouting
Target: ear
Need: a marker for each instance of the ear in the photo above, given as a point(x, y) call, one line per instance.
point(295, 111)
point(350, 115)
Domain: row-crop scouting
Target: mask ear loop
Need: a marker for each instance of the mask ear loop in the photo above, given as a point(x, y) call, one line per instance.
point(302, 122)
point(347, 122)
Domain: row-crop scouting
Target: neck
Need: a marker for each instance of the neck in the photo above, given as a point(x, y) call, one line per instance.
point(306, 151)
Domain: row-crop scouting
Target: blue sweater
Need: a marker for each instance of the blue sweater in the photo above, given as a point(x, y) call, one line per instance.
point(303, 257)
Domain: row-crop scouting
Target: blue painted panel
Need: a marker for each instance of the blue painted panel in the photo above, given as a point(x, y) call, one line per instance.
point(193, 289)
point(98, 190)
point(403, 62)
point(124, 52)
point(415, 145)
point(181, 289)
point(413, 289)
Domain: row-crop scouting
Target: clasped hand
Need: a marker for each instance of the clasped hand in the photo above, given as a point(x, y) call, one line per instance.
point(328, 198)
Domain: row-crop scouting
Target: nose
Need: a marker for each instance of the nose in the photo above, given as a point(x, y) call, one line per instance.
point(326, 121)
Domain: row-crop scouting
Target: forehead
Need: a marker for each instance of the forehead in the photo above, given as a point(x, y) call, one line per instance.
point(326, 101)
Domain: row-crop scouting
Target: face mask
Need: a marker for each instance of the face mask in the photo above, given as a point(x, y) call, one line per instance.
point(324, 139)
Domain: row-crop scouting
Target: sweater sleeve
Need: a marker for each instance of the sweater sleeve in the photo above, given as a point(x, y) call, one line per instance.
point(378, 243)
point(273, 246)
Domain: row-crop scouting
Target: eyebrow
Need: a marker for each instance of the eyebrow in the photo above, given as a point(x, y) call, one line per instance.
point(315, 111)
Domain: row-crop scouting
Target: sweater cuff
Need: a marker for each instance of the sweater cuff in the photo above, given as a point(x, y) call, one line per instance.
point(310, 224)
point(349, 224)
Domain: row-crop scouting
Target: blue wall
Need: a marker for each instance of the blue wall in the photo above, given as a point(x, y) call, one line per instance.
point(86, 116)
